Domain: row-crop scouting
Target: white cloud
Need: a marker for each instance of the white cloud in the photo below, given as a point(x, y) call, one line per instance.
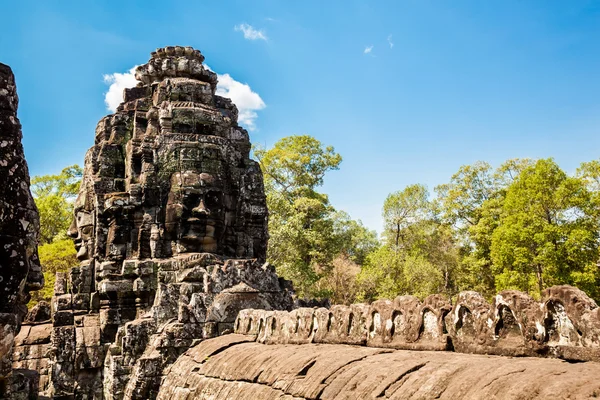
point(368, 49)
point(389, 39)
point(118, 82)
point(247, 101)
point(250, 32)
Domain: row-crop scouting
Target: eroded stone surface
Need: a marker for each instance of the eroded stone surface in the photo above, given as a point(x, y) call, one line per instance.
point(235, 367)
point(170, 227)
point(564, 324)
point(20, 270)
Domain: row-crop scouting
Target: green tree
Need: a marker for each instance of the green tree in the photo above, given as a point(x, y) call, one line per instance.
point(471, 203)
point(54, 195)
point(547, 233)
point(302, 243)
point(418, 255)
point(296, 165)
point(404, 210)
point(353, 239)
point(57, 256)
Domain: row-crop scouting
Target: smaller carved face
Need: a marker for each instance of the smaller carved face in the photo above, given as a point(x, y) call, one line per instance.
point(82, 230)
point(195, 213)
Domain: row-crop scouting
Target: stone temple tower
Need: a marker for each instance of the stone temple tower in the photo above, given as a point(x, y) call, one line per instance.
point(171, 231)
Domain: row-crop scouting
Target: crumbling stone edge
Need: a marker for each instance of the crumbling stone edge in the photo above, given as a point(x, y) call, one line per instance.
point(564, 324)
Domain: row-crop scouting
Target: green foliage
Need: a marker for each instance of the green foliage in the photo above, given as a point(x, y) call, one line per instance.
point(403, 211)
point(471, 203)
point(57, 256)
point(296, 164)
point(548, 232)
point(306, 233)
point(54, 195)
point(526, 226)
point(389, 273)
point(352, 239)
point(418, 257)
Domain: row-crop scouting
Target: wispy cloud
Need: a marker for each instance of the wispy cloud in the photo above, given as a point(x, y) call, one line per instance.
point(250, 32)
point(368, 50)
point(247, 101)
point(389, 39)
point(118, 82)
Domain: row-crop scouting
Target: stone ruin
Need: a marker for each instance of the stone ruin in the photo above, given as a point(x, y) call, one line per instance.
point(170, 226)
point(20, 270)
point(565, 324)
point(172, 298)
point(367, 351)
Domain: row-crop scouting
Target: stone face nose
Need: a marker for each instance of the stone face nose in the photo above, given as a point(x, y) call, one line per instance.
point(72, 232)
point(200, 209)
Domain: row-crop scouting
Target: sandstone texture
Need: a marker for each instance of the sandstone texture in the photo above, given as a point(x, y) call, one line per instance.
point(564, 324)
point(170, 226)
point(20, 270)
point(235, 367)
point(525, 349)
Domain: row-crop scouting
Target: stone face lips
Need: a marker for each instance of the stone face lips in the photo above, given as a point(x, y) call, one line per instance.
point(170, 227)
point(20, 269)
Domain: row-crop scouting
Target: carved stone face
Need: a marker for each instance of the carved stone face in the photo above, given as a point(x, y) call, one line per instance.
point(195, 212)
point(82, 231)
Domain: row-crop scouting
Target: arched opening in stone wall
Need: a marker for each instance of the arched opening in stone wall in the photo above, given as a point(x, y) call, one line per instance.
point(297, 324)
point(507, 327)
point(559, 327)
point(465, 323)
point(261, 326)
point(330, 320)
point(375, 327)
point(314, 326)
point(350, 324)
point(397, 322)
point(429, 325)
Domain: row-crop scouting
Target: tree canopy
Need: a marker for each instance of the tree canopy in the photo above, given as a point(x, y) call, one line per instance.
point(306, 232)
point(54, 196)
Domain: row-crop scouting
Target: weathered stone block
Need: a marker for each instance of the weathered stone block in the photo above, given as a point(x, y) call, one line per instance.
point(62, 318)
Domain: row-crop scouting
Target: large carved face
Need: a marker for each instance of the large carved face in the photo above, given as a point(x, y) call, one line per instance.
point(195, 212)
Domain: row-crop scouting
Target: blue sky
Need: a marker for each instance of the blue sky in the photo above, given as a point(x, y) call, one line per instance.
point(464, 80)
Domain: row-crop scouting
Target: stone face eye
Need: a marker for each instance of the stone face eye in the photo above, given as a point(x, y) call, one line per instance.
point(212, 199)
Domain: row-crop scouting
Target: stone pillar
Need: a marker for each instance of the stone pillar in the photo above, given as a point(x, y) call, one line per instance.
point(20, 270)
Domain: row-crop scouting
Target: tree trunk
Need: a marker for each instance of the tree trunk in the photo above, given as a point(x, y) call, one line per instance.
point(540, 278)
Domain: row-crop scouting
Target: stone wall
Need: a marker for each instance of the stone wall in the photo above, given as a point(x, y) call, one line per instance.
point(235, 367)
point(564, 324)
point(20, 270)
point(403, 349)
